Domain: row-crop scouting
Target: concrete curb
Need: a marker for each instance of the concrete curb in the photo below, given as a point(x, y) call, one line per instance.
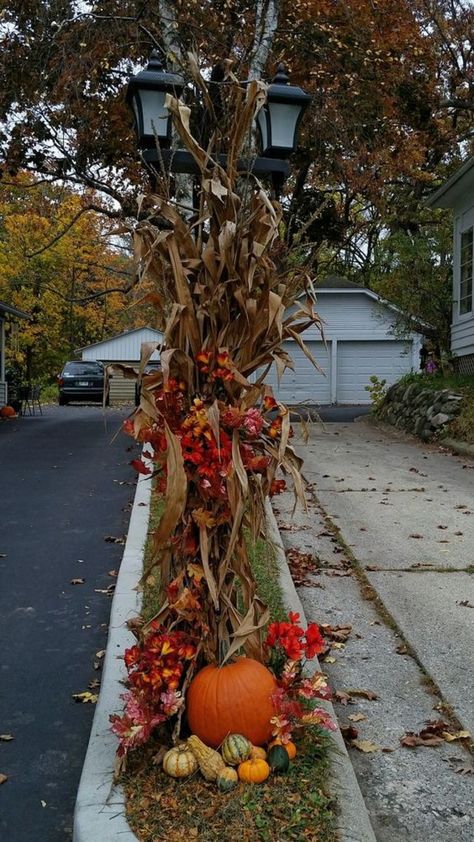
point(100, 806)
point(353, 822)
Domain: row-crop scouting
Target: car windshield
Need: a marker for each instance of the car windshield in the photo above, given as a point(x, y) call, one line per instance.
point(83, 368)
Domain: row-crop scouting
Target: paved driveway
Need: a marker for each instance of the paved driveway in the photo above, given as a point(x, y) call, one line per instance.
point(407, 513)
point(63, 487)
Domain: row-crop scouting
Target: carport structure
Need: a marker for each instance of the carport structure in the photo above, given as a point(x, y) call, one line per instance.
point(6, 311)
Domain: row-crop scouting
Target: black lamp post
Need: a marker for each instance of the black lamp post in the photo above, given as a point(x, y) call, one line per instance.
point(278, 122)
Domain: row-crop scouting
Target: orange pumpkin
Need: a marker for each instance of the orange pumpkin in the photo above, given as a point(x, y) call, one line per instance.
point(254, 771)
point(7, 412)
point(290, 748)
point(235, 698)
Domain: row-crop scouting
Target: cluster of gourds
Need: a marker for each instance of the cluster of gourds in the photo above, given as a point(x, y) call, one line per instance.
point(238, 760)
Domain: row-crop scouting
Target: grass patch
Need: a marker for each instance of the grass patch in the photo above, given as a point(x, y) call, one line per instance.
point(289, 807)
point(295, 806)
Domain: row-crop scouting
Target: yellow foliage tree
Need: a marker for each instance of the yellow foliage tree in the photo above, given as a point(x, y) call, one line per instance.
point(64, 265)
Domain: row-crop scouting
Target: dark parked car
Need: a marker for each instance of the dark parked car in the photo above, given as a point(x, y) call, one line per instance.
point(151, 368)
point(81, 380)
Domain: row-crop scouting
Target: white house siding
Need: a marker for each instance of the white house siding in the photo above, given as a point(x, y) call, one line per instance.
point(358, 360)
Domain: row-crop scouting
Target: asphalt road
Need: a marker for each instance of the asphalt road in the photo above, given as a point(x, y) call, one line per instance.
point(65, 486)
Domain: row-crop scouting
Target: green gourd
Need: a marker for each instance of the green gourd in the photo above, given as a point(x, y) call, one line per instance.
point(278, 760)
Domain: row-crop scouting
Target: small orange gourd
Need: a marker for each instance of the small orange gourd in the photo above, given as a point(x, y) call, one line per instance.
point(254, 771)
point(258, 753)
point(7, 412)
point(290, 747)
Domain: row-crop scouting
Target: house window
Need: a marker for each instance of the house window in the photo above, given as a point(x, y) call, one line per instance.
point(465, 290)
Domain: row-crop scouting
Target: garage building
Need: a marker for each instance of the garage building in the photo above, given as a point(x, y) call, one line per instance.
point(359, 342)
point(124, 348)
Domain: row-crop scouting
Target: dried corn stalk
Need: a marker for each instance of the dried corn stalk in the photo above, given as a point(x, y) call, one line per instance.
point(217, 432)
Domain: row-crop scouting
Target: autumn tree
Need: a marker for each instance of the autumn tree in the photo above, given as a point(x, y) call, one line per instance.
point(58, 263)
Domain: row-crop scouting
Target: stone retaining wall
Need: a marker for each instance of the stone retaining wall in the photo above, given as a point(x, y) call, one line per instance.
point(423, 412)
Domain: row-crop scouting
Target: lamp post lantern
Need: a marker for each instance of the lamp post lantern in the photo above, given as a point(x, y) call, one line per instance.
point(278, 122)
point(279, 119)
point(146, 94)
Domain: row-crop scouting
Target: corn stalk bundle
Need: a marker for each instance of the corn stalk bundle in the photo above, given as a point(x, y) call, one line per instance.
point(218, 435)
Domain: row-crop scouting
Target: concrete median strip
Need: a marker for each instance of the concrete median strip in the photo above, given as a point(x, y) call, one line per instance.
point(100, 805)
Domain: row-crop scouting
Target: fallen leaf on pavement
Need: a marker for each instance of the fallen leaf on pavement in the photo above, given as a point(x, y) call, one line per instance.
point(5, 738)
point(342, 697)
point(412, 740)
point(94, 684)
point(3, 555)
point(100, 653)
point(465, 603)
point(3, 778)
point(458, 735)
point(440, 526)
point(431, 735)
point(108, 591)
point(339, 633)
point(459, 532)
point(401, 650)
point(77, 581)
point(329, 660)
point(464, 770)
point(301, 565)
point(372, 567)
point(415, 535)
point(85, 697)
point(349, 732)
point(112, 573)
point(367, 746)
point(357, 717)
point(113, 539)
point(365, 694)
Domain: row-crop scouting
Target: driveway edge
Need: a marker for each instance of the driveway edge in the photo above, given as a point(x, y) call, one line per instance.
point(100, 804)
point(353, 822)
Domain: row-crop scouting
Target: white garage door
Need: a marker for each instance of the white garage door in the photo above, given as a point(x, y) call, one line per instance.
point(305, 384)
point(357, 361)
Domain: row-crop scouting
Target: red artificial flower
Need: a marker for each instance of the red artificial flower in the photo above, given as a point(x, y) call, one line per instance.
point(203, 359)
point(269, 403)
point(314, 640)
point(277, 486)
point(140, 466)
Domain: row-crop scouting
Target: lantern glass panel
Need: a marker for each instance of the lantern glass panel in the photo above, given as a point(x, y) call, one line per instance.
point(283, 119)
point(155, 115)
